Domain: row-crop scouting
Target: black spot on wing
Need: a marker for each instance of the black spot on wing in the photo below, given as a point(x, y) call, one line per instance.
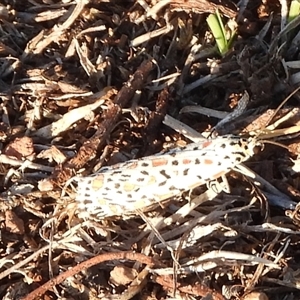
point(87, 202)
point(117, 172)
point(172, 188)
point(126, 176)
point(163, 173)
point(237, 153)
point(238, 159)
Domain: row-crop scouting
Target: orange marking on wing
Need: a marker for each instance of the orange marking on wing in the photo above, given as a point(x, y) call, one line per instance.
point(165, 196)
point(97, 182)
point(151, 180)
point(128, 187)
point(128, 164)
point(115, 209)
point(206, 144)
point(186, 161)
point(140, 204)
point(133, 165)
point(157, 162)
point(102, 201)
point(208, 161)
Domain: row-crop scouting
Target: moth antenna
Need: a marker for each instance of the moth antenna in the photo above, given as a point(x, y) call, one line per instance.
point(274, 143)
point(281, 104)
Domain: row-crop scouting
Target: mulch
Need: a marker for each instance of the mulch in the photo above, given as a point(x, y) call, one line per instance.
point(86, 84)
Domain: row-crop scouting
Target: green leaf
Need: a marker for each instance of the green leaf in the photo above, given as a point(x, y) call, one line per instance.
point(217, 28)
point(294, 10)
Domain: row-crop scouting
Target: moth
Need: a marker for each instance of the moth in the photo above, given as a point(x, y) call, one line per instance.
point(139, 183)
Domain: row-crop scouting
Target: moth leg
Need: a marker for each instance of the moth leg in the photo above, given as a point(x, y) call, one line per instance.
point(218, 185)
